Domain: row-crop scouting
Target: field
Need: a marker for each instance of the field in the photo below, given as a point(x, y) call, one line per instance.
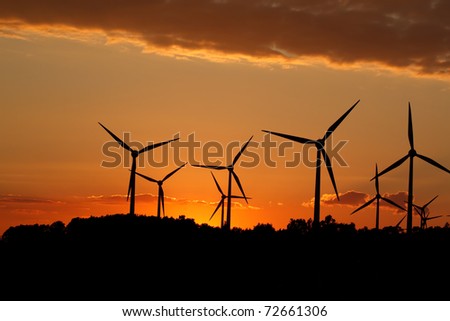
point(132, 257)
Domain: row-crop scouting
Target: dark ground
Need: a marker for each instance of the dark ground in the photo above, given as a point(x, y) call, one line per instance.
point(123, 257)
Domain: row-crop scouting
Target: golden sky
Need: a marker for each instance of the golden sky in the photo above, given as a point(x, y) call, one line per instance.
point(220, 72)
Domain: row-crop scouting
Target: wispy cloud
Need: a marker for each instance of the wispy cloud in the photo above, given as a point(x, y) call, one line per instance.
point(354, 198)
point(148, 197)
point(21, 199)
point(409, 35)
point(120, 198)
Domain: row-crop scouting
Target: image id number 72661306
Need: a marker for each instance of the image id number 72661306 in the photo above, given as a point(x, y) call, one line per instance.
point(298, 311)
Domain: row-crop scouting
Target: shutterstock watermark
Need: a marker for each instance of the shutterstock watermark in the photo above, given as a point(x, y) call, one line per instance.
point(271, 151)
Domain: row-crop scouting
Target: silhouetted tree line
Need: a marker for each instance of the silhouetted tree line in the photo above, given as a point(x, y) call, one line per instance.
point(134, 257)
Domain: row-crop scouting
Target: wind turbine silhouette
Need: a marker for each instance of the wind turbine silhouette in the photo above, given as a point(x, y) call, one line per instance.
point(424, 213)
point(222, 201)
point(411, 154)
point(320, 146)
point(231, 175)
point(377, 197)
point(134, 154)
point(160, 188)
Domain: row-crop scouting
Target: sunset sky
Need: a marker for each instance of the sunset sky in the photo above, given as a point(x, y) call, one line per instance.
point(219, 72)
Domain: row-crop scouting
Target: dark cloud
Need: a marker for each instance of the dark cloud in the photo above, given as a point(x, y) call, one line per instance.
point(348, 198)
point(413, 35)
point(398, 198)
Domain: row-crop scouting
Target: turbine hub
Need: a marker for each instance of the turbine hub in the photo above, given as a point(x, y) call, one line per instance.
point(320, 144)
point(134, 153)
point(412, 153)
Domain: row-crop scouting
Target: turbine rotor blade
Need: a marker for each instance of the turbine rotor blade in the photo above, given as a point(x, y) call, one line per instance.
point(433, 217)
point(210, 166)
point(218, 206)
point(330, 171)
point(241, 151)
point(364, 205)
point(217, 185)
point(173, 172)
point(147, 177)
point(395, 165)
point(117, 139)
point(152, 146)
point(432, 162)
point(129, 186)
point(333, 127)
point(293, 138)
point(392, 203)
point(410, 128)
point(132, 177)
point(236, 178)
point(377, 184)
point(418, 210)
point(400, 222)
point(430, 202)
point(241, 197)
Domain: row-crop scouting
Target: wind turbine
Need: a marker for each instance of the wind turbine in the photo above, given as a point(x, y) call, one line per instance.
point(222, 201)
point(424, 213)
point(134, 154)
point(231, 175)
point(320, 146)
point(160, 188)
point(377, 197)
point(411, 154)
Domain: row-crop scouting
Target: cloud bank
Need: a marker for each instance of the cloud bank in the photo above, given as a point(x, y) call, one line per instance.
point(409, 35)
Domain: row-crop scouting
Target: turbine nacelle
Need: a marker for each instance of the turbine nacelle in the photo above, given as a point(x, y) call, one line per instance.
point(412, 153)
point(320, 144)
point(134, 153)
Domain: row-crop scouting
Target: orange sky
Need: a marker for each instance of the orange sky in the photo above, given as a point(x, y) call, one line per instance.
point(220, 72)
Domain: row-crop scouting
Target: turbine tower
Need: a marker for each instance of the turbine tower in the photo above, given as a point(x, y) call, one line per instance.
point(134, 154)
point(411, 154)
point(320, 146)
point(160, 188)
point(221, 203)
point(231, 175)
